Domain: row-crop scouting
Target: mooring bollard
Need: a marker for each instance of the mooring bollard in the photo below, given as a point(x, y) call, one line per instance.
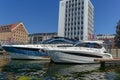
point(102, 65)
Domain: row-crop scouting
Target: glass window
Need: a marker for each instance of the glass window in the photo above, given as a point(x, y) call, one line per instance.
point(82, 2)
point(72, 5)
point(81, 22)
point(74, 33)
point(81, 32)
point(71, 33)
point(74, 28)
point(89, 45)
point(69, 1)
point(78, 23)
point(74, 23)
point(82, 27)
point(82, 38)
point(78, 32)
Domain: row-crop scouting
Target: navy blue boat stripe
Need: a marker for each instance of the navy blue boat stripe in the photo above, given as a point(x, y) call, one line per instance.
point(83, 54)
point(33, 49)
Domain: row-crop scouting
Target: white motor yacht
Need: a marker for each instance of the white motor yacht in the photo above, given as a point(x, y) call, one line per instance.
point(32, 51)
point(82, 52)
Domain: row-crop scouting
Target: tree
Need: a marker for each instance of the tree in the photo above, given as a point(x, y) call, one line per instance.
point(117, 36)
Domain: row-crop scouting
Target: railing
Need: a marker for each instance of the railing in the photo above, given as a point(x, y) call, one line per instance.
point(115, 52)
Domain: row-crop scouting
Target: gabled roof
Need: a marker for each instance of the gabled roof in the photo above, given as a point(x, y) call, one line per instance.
point(10, 27)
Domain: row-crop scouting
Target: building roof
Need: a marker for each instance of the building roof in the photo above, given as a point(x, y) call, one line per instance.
point(9, 27)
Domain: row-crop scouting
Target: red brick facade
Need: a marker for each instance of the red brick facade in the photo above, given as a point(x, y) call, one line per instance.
point(13, 33)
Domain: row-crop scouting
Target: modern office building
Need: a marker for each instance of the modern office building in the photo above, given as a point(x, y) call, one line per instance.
point(39, 37)
point(76, 19)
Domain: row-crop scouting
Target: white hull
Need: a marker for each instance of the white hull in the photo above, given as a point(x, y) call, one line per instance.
point(59, 57)
point(85, 52)
point(27, 57)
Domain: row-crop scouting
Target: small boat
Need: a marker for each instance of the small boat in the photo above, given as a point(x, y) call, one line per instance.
point(32, 51)
point(82, 52)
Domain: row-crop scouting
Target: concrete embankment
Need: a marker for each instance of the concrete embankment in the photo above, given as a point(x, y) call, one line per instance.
point(4, 59)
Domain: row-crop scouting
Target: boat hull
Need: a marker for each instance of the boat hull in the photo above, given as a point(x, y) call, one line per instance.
point(60, 57)
point(18, 56)
point(25, 53)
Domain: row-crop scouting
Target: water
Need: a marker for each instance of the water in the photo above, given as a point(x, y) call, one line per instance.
point(43, 70)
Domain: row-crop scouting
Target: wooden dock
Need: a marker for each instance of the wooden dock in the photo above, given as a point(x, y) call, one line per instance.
point(109, 61)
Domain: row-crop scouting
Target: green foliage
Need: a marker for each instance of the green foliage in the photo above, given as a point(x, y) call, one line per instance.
point(24, 78)
point(27, 78)
point(117, 36)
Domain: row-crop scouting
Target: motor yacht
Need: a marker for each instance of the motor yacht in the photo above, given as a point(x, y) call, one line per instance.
point(81, 52)
point(32, 51)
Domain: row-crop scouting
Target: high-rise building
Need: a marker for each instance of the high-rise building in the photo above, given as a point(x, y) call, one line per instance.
point(76, 19)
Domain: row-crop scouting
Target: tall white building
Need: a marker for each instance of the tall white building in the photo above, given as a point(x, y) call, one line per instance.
point(76, 19)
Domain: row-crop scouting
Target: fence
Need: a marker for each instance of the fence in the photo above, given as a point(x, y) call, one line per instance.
point(115, 52)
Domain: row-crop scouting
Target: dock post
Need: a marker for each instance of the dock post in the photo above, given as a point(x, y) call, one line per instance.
point(117, 52)
point(110, 50)
point(102, 65)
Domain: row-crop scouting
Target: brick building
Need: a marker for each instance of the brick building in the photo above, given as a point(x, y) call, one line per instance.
point(39, 37)
point(109, 39)
point(13, 33)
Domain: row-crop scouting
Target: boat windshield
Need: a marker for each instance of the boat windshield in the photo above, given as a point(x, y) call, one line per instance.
point(59, 40)
point(88, 45)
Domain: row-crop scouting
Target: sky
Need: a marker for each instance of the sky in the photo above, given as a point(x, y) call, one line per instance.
point(41, 16)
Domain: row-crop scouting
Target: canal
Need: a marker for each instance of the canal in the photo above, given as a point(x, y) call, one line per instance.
point(44, 70)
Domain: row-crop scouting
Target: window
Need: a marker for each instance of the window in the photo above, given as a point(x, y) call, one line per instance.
point(82, 27)
point(82, 38)
point(78, 13)
point(72, 5)
point(71, 33)
point(78, 23)
point(74, 33)
point(82, 2)
point(74, 28)
point(82, 12)
point(81, 22)
point(89, 45)
point(81, 32)
point(78, 32)
point(74, 23)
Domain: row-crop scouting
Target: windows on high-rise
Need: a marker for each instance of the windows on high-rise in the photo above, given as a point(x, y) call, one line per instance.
point(76, 19)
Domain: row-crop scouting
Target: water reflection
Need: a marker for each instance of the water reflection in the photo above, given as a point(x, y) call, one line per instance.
point(4, 61)
point(41, 69)
point(68, 69)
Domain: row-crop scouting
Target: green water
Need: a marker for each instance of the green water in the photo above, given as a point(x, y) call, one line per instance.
point(43, 70)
